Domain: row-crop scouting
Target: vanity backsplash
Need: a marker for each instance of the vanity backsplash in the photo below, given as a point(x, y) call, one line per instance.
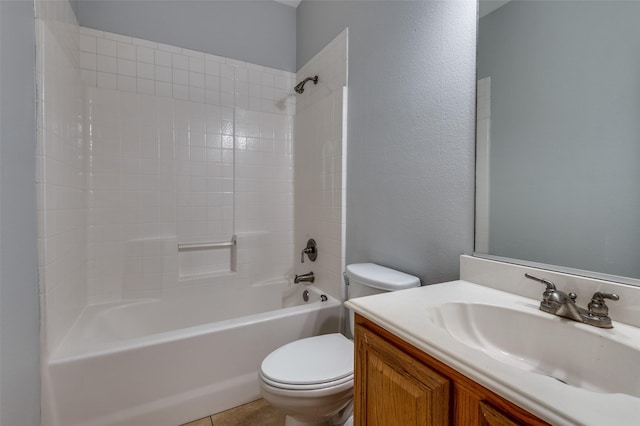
point(510, 277)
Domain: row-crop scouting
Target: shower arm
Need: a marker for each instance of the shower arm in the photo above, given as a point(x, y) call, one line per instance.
point(300, 86)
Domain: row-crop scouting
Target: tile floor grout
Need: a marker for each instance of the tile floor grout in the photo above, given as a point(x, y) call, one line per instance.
point(255, 413)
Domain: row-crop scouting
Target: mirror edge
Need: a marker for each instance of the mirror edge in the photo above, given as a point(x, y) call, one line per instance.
point(562, 269)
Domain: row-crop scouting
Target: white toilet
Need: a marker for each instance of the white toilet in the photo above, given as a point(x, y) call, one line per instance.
point(311, 380)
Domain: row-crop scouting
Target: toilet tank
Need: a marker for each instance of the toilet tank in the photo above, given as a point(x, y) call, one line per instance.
point(365, 279)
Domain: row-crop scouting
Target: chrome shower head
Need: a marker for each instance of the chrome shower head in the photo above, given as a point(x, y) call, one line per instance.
point(300, 87)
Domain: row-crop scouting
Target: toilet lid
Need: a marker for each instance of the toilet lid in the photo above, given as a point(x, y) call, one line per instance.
point(309, 361)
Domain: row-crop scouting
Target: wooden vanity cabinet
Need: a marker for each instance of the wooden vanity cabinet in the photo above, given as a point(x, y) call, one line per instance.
point(397, 384)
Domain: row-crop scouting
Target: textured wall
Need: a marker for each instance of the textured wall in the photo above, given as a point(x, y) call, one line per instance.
point(410, 173)
point(19, 368)
point(260, 32)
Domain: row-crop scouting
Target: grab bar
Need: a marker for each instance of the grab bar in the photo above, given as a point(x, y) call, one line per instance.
point(212, 245)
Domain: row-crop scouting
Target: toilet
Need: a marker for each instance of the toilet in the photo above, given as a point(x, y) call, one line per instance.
point(311, 380)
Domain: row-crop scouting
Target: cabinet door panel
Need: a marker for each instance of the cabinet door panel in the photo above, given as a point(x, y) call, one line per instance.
point(491, 416)
point(394, 389)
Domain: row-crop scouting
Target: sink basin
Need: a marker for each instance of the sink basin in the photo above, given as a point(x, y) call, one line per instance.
point(575, 354)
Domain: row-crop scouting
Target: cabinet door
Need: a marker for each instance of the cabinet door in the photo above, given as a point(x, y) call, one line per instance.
point(394, 389)
point(491, 416)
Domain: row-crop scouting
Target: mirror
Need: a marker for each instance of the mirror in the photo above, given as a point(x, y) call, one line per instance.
point(558, 135)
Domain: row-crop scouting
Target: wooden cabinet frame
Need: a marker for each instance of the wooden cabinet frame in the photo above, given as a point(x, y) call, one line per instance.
point(397, 384)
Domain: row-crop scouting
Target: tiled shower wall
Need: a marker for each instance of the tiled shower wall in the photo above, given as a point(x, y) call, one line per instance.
point(199, 158)
point(320, 164)
point(129, 64)
point(126, 172)
point(162, 145)
point(132, 192)
point(60, 173)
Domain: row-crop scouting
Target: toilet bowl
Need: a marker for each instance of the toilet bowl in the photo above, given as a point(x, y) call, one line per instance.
point(311, 380)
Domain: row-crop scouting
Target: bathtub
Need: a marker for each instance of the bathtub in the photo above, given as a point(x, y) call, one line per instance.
point(172, 360)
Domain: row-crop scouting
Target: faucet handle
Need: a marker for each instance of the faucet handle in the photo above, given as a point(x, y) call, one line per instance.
point(599, 295)
point(597, 306)
point(550, 286)
point(311, 250)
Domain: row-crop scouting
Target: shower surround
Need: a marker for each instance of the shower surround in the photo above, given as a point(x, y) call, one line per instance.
point(143, 147)
point(124, 175)
point(192, 162)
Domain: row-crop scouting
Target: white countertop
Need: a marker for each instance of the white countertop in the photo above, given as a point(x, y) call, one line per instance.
point(406, 314)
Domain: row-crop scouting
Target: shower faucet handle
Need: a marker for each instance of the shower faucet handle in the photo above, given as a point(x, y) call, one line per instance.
point(311, 250)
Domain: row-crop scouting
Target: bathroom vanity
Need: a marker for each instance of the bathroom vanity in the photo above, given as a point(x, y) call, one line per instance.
point(479, 351)
point(399, 384)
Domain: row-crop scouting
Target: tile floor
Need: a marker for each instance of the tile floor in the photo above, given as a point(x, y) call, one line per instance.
point(256, 413)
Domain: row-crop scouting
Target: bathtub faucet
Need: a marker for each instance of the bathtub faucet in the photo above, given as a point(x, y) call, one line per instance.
point(304, 278)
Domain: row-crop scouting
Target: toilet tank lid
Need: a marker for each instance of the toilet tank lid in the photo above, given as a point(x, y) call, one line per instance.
point(381, 277)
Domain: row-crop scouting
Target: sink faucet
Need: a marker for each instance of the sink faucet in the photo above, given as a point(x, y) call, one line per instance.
point(559, 303)
point(304, 278)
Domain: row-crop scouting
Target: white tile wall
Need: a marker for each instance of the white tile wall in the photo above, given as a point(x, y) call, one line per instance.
point(60, 176)
point(162, 171)
point(168, 168)
point(264, 187)
point(171, 145)
point(320, 164)
point(113, 61)
point(131, 209)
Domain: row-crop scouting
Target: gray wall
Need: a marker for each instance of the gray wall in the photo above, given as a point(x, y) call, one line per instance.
point(258, 31)
point(565, 133)
point(19, 317)
point(410, 187)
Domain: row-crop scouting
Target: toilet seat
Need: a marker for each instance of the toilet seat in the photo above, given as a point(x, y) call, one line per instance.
point(311, 387)
point(317, 362)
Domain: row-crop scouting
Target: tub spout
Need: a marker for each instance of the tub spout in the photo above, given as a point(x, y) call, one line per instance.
point(304, 278)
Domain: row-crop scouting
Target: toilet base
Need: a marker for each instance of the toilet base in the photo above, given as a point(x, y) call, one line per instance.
point(290, 421)
point(344, 418)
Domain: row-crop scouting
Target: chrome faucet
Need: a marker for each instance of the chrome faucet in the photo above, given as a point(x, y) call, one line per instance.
point(304, 278)
point(557, 302)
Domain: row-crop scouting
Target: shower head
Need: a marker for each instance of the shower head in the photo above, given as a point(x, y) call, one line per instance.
point(300, 87)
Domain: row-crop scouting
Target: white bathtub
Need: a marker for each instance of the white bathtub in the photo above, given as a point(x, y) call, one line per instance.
point(169, 361)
